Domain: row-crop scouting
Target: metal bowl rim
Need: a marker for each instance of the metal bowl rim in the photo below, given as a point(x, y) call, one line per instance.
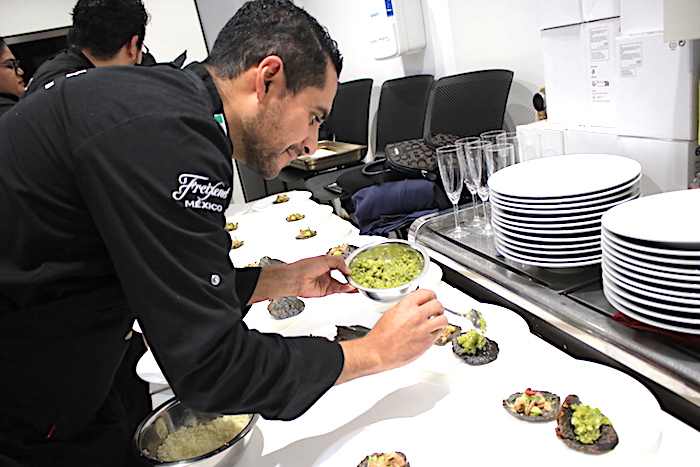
point(164, 407)
point(416, 247)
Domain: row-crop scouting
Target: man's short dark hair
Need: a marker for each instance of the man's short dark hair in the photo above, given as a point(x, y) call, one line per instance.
point(275, 27)
point(104, 26)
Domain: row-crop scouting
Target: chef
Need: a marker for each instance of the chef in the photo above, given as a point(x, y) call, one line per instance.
point(104, 33)
point(113, 184)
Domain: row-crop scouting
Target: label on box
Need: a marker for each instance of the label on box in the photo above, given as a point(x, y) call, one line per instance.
point(630, 58)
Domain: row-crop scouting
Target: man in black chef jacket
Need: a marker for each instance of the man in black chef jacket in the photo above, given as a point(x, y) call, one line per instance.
point(104, 33)
point(113, 185)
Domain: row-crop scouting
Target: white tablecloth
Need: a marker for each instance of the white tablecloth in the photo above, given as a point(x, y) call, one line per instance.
point(438, 405)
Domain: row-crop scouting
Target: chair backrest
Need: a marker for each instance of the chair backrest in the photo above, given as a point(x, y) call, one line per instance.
point(468, 104)
point(349, 118)
point(402, 107)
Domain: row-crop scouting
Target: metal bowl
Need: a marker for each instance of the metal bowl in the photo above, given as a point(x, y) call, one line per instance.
point(393, 294)
point(172, 415)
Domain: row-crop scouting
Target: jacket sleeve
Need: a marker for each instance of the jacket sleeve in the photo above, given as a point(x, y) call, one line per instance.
point(157, 187)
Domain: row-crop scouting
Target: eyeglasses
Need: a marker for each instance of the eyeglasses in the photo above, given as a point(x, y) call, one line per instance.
point(11, 63)
point(144, 49)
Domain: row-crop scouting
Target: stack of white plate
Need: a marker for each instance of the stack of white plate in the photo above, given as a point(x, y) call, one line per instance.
point(651, 260)
point(546, 212)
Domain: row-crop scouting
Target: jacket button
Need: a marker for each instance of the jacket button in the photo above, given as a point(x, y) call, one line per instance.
point(215, 279)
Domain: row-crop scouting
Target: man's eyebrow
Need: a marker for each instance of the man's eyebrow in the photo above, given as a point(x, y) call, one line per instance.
point(323, 113)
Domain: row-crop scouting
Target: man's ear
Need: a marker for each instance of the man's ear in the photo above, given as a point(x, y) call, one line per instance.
point(269, 76)
point(133, 48)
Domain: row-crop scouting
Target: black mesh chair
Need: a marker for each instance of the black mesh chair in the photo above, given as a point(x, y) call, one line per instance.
point(348, 122)
point(401, 112)
point(468, 104)
point(349, 119)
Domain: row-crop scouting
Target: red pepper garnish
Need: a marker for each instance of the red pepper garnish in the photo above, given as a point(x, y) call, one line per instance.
point(530, 392)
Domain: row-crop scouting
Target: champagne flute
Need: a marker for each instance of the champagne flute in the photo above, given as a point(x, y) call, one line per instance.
point(476, 172)
point(496, 157)
point(450, 163)
point(491, 135)
point(476, 220)
point(512, 138)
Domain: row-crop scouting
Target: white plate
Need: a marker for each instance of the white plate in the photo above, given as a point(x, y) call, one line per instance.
point(547, 202)
point(613, 278)
point(556, 225)
point(470, 423)
point(546, 219)
point(626, 194)
point(623, 262)
point(574, 252)
point(564, 231)
point(666, 291)
point(263, 237)
point(573, 239)
point(663, 252)
point(595, 243)
point(564, 176)
point(666, 218)
point(503, 326)
point(295, 197)
point(148, 370)
point(621, 268)
point(544, 262)
point(672, 265)
point(681, 314)
point(526, 213)
point(642, 316)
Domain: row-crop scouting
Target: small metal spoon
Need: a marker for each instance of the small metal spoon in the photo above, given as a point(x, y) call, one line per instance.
point(473, 315)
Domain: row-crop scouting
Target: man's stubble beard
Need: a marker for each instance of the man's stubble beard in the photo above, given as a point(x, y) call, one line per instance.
point(262, 154)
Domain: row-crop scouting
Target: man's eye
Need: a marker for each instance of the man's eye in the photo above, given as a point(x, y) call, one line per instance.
point(316, 119)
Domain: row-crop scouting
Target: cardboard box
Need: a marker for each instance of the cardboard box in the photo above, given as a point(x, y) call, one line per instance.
point(666, 165)
point(657, 87)
point(564, 57)
point(593, 10)
point(540, 139)
point(641, 16)
point(580, 73)
point(558, 13)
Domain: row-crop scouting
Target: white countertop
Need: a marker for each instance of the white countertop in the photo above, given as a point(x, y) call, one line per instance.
point(438, 405)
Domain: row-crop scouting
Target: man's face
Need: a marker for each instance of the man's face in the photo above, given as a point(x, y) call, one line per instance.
point(282, 129)
point(11, 81)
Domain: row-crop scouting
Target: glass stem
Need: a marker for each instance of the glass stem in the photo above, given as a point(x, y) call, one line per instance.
point(454, 210)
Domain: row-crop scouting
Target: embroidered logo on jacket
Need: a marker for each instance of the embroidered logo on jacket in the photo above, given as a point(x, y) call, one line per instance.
point(198, 192)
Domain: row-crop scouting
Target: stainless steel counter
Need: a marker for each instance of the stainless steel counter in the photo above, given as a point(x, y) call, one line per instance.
point(566, 307)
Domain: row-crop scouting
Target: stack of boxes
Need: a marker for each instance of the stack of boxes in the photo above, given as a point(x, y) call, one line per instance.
point(614, 86)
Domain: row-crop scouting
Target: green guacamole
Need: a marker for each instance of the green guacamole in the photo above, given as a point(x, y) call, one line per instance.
point(386, 266)
point(587, 422)
point(471, 341)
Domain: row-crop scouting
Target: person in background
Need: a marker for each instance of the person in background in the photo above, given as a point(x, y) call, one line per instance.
point(113, 210)
point(104, 33)
point(11, 78)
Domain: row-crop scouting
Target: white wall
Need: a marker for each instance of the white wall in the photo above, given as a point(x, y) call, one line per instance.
point(461, 36)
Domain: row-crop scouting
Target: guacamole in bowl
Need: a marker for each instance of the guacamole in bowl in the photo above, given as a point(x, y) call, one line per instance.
point(389, 270)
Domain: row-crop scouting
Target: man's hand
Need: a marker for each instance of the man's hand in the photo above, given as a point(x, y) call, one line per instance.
point(309, 277)
point(403, 334)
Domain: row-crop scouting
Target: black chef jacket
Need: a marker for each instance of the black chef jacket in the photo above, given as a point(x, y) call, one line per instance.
point(7, 101)
point(66, 61)
point(113, 184)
